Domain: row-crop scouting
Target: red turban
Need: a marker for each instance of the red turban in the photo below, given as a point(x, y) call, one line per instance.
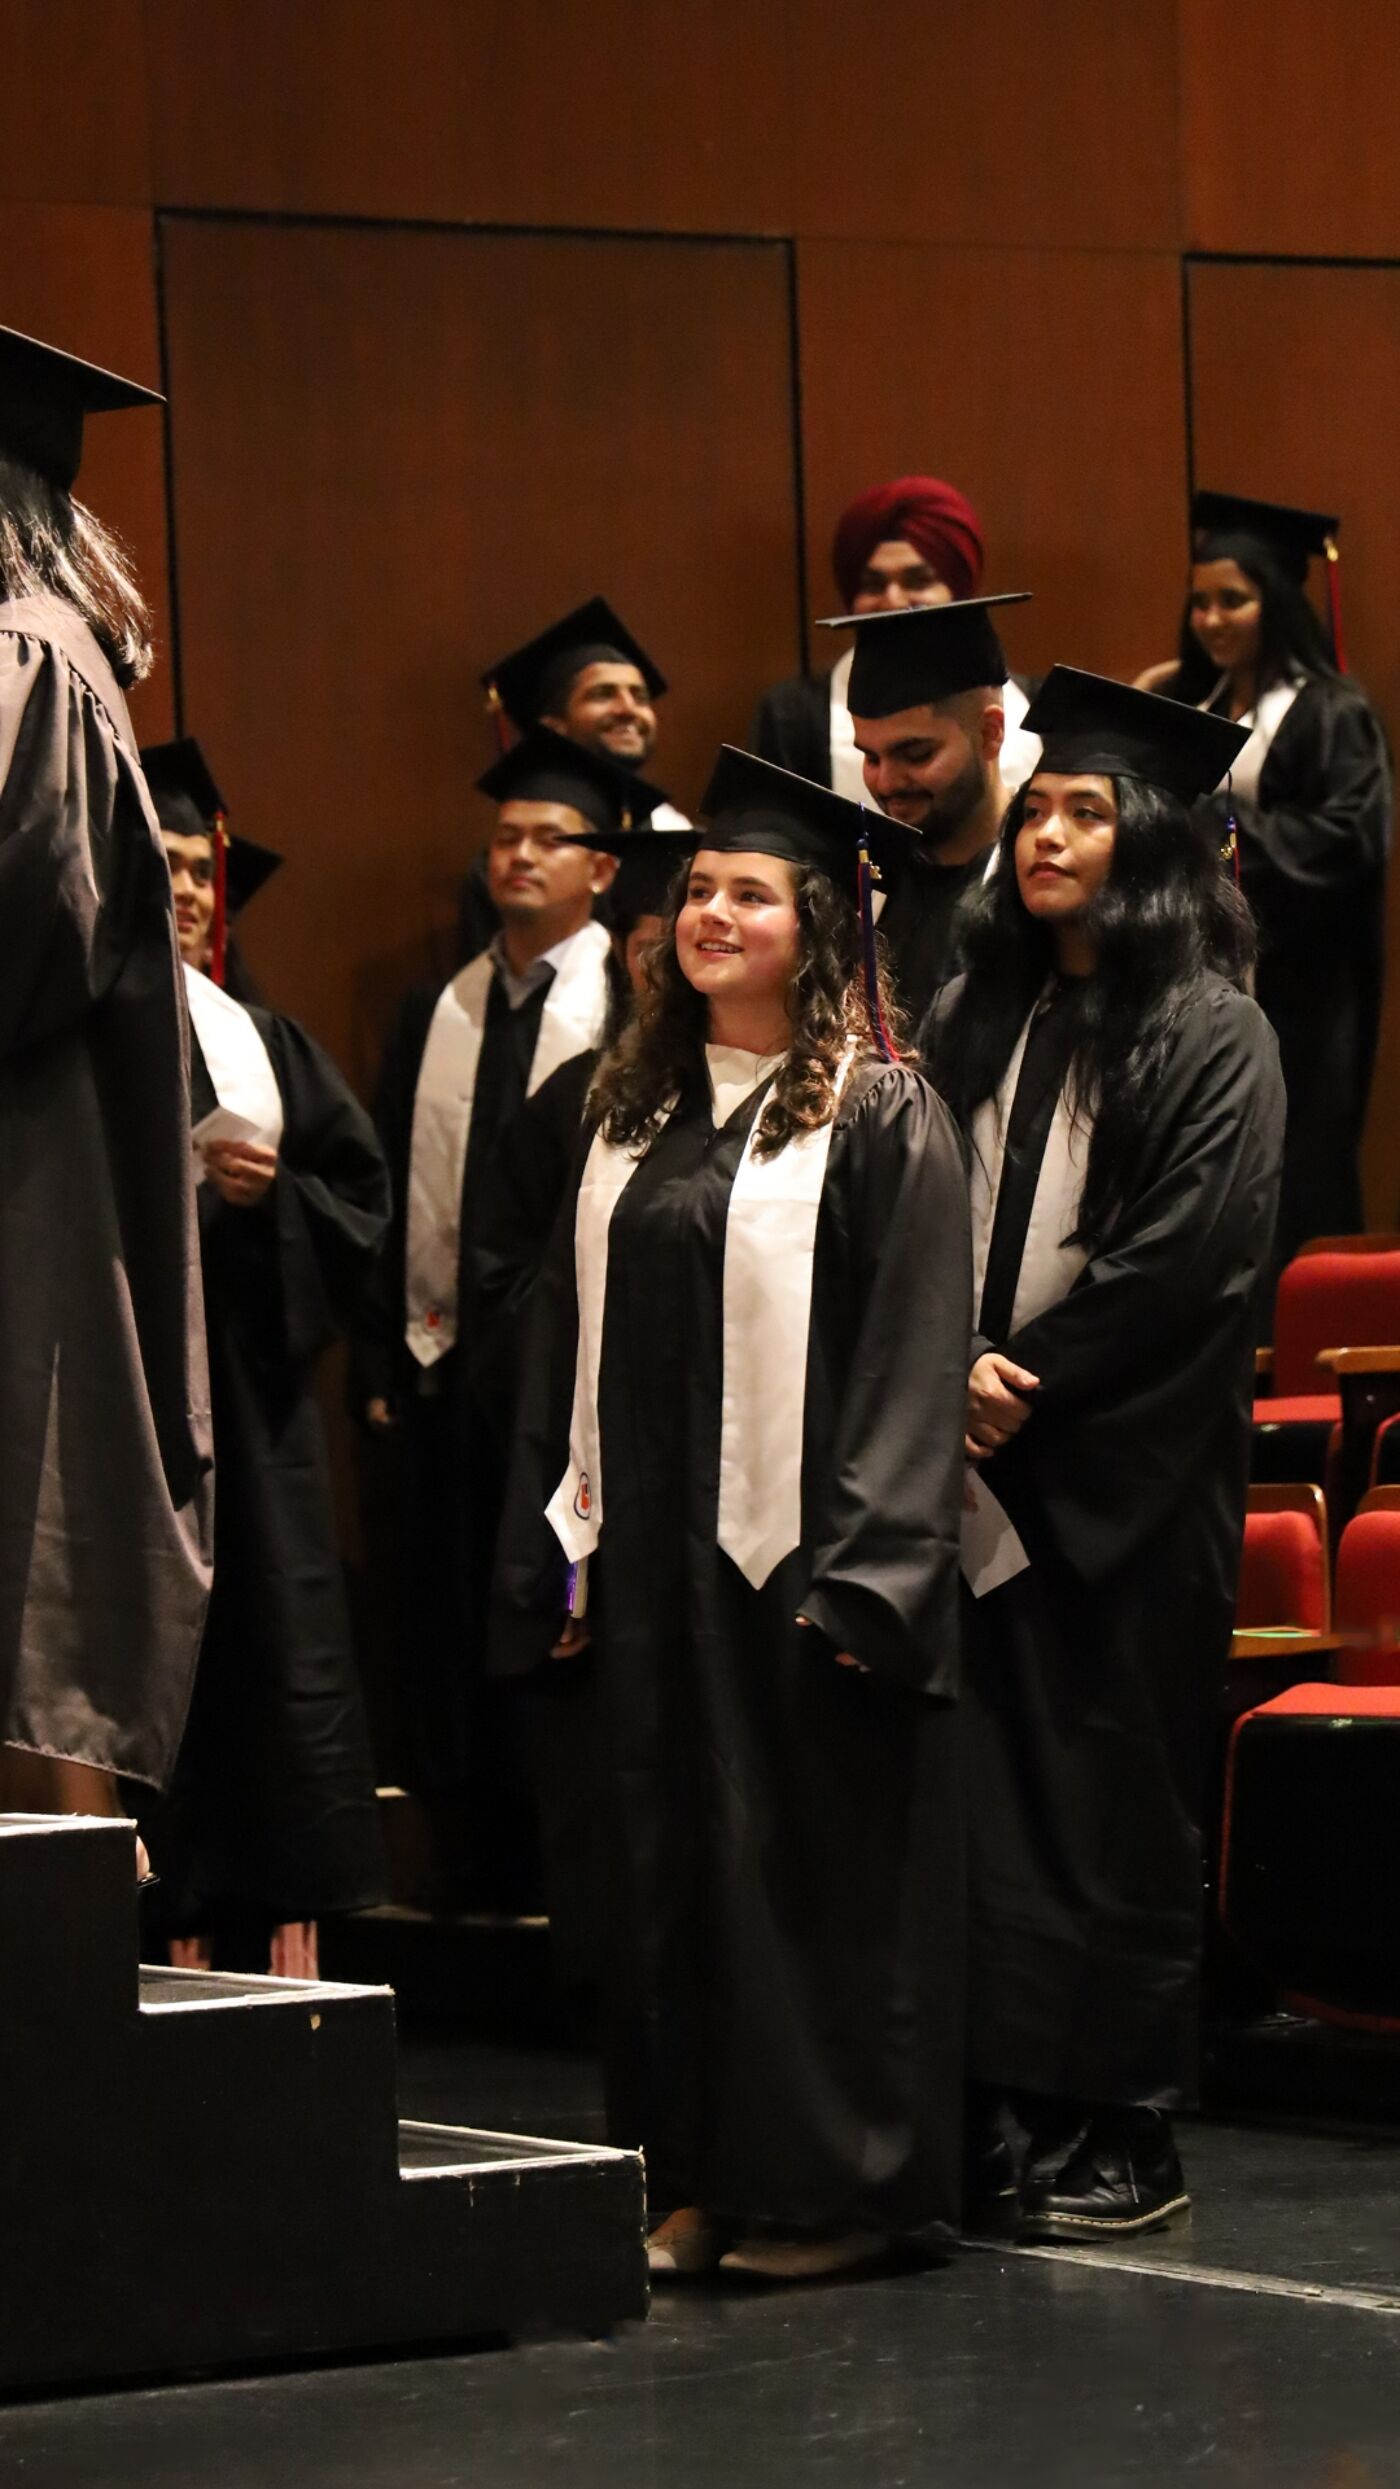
point(915, 509)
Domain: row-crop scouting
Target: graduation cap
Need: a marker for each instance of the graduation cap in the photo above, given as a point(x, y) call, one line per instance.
point(1090, 725)
point(536, 679)
point(648, 862)
point(44, 396)
point(546, 768)
point(188, 803)
point(1291, 537)
point(752, 804)
point(921, 653)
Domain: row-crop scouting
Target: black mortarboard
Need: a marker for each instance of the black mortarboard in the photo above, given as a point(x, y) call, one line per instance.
point(1292, 536)
point(751, 803)
point(44, 395)
point(922, 653)
point(536, 679)
point(648, 862)
point(188, 803)
point(1088, 724)
point(546, 768)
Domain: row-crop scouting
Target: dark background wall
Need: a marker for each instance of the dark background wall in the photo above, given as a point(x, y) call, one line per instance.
point(468, 308)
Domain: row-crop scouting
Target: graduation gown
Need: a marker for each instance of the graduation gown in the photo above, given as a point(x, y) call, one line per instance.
point(273, 1804)
point(919, 926)
point(1092, 1677)
point(446, 1461)
point(105, 1451)
point(1313, 848)
point(782, 1990)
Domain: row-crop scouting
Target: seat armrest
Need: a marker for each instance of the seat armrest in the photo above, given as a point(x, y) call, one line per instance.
point(1346, 1361)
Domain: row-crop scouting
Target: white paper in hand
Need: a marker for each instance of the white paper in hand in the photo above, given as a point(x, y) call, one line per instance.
point(991, 1551)
point(223, 1125)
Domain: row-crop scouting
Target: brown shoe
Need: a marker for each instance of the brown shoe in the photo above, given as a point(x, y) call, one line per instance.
point(685, 2243)
point(769, 2257)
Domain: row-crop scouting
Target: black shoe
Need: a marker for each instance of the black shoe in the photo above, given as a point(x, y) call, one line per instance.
point(1055, 2130)
point(1121, 2180)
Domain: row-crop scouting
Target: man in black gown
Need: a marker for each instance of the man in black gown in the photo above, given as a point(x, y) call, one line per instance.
point(586, 677)
point(460, 1063)
point(926, 696)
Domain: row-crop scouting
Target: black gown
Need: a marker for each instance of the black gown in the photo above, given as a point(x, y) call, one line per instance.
point(1313, 850)
point(106, 1489)
point(442, 1471)
point(272, 1810)
point(783, 2026)
point(919, 925)
point(1092, 1679)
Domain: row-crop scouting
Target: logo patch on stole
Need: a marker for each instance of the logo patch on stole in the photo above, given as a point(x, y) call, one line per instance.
point(583, 1501)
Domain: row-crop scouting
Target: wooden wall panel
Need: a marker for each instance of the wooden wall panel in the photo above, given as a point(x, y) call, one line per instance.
point(83, 278)
point(1295, 383)
point(1289, 120)
point(639, 113)
point(395, 454)
point(1048, 385)
point(75, 103)
point(1031, 121)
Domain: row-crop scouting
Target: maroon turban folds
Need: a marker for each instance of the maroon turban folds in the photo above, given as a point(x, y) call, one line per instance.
point(915, 509)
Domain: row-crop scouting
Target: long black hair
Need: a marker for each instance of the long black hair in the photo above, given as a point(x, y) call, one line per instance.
point(50, 545)
point(1293, 638)
point(1167, 915)
point(661, 1052)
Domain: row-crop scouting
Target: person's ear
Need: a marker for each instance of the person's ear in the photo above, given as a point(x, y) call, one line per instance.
point(604, 873)
point(556, 725)
point(993, 728)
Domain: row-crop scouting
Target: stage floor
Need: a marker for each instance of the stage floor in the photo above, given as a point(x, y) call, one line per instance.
point(1259, 2346)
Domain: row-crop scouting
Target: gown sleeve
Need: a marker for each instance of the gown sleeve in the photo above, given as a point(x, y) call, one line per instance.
point(529, 1587)
point(297, 1265)
point(1322, 818)
point(376, 1337)
point(78, 861)
point(1148, 1362)
point(885, 1546)
point(332, 1193)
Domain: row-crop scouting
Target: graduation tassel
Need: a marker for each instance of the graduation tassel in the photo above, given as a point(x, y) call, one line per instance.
point(498, 718)
point(1334, 599)
point(1230, 852)
point(866, 877)
point(218, 938)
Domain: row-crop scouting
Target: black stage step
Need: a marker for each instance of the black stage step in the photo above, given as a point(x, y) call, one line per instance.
point(199, 2169)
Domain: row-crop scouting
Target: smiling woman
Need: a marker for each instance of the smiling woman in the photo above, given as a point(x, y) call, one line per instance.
point(745, 1408)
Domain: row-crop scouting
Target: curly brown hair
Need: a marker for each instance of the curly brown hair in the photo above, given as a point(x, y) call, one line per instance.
point(659, 1058)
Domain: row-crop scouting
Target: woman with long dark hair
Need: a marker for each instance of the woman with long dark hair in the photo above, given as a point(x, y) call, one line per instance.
point(104, 1418)
point(756, 1311)
point(1311, 798)
point(1123, 1110)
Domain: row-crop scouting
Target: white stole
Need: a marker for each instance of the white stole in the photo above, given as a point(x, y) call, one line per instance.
point(237, 1061)
point(572, 1021)
point(769, 1247)
point(847, 767)
point(1049, 1265)
point(1263, 721)
point(992, 1552)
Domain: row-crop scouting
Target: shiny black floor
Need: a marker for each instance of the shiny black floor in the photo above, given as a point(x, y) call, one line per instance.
point(1207, 2360)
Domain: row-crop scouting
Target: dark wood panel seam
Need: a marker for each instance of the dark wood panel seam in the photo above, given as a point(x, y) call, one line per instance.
point(172, 555)
point(1285, 259)
point(292, 219)
point(1188, 385)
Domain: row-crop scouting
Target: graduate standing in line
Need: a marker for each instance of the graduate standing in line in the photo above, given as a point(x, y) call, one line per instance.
point(271, 1822)
point(911, 544)
point(927, 691)
point(757, 1318)
point(1121, 1098)
point(1312, 797)
point(586, 677)
point(459, 1065)
point(105, 1451)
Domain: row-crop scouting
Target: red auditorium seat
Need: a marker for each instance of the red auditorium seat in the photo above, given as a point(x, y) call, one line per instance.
point(1310, 1850)
point(1283, 1565)
point(1368, 1592)
point(1339, 1293)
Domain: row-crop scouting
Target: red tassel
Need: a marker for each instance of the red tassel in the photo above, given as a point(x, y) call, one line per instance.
point(1334, 602)
point(498, 718)
point(218, 939)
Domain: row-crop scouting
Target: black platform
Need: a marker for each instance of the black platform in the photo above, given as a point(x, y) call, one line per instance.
point(200, 2169)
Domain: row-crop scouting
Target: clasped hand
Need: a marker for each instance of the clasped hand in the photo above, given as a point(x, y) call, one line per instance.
point(240, 1171)
point(998, 1403)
